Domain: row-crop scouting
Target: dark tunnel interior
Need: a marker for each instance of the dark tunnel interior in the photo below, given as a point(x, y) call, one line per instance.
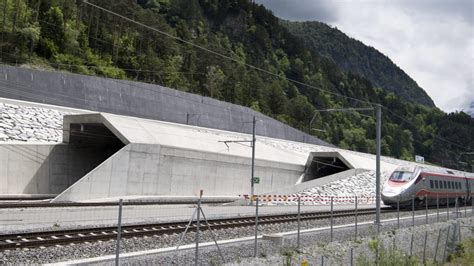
point(324, 166)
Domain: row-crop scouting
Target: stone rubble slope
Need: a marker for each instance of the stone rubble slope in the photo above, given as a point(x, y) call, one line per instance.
point(30, 124)
point(360, 185)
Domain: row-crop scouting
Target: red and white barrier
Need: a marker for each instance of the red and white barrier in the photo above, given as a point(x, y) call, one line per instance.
point(311, 200)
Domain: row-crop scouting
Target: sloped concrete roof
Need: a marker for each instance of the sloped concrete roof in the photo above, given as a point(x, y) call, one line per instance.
point(168, 159)
point(145, 131)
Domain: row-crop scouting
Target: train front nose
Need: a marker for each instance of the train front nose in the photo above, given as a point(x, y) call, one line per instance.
point(390, 195)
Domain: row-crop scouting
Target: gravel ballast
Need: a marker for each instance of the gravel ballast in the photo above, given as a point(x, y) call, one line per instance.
point(88, 250)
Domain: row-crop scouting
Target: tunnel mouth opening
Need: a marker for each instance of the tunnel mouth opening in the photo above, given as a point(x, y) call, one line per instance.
point(92, 144)
point(86, 135)
point(321, 166)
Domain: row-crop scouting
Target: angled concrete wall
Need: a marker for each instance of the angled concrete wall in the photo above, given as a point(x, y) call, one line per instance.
point(155, 170)
point(43, 168)
point(139, 100)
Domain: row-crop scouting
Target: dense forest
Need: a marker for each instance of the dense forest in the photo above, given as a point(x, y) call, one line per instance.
point(353, 55)
point(245, 56)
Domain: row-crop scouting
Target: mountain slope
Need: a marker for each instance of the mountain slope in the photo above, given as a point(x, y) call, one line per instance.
point(352, 55)
point(470, 110)
point(87, 40)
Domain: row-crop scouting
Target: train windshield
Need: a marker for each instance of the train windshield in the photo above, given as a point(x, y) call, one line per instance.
point(401, 176)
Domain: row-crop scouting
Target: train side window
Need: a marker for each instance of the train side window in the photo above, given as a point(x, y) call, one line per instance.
point(445, 185)
point(436, 183)
point(441, 184)
point(431, 183)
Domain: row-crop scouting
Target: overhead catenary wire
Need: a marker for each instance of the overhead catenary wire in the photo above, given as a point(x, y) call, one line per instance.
point(42, 98)
point(246, 64)
point(34, 96)
point(225, 56)
point(90, 134)
point(240, 62)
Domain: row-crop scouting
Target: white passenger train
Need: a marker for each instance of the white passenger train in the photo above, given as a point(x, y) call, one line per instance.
point(425, 184)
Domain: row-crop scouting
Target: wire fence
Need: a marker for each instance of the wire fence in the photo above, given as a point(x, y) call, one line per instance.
point(298, 239)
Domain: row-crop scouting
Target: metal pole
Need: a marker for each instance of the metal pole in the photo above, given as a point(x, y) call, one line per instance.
point(322, 260)
point(377, 166)
point(398, 212)
point(186, 230)
point(377, 251)
point(472, 206)
point(332, 212)
point(256, 228)
point(352, 256)
point(213, 236)
point(253, 160)
point(437, 208)
point(198, 223)
point(413, 210)
point(355, 217)
point(446, 244)
point(411, 245)
point(299, 223)
point(424, 248)
point(119, 233)
point(437, 244)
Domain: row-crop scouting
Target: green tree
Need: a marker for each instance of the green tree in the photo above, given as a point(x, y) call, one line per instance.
point(214, 80)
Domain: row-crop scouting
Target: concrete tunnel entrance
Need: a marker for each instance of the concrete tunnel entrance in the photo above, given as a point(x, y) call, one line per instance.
point(93, 143)
point(324, 164)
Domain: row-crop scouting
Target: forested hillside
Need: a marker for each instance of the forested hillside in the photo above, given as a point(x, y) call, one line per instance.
point(353, 55)
point(75, 36)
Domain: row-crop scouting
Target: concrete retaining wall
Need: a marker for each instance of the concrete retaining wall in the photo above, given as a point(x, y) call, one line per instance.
point(138, 99)
point(150, 169)
point(43, 168)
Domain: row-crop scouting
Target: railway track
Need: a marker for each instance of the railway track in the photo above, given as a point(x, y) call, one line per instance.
point(66, 237)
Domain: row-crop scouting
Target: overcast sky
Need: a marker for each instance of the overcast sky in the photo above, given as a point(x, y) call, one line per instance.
point(431, 40)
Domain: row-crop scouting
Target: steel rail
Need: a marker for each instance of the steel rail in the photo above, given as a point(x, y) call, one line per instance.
point(63, 237)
